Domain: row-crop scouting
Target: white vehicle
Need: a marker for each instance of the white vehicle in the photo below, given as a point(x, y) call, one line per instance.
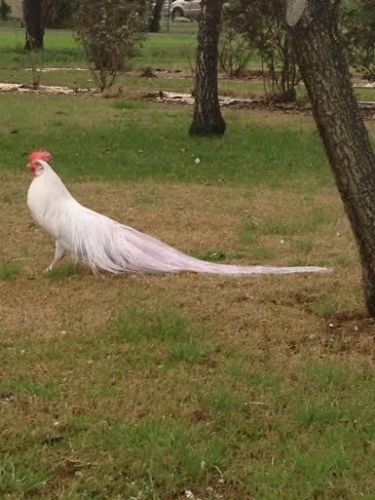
point(186, 8)
point(166, 8)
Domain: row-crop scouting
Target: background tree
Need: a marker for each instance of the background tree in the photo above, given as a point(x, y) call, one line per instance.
point(207, 119)
point(156, 16)
point(59, 13)
point(34, 17)
point(320, 54)
point(109, 31)
point(5, 10)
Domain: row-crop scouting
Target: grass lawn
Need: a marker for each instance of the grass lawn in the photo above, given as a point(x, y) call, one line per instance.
point(147, 386)
point(152, 387)
point(172, 50)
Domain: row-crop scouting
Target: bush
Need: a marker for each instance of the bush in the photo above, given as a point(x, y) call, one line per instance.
point(4, 10)
point(109, 31)
point(234, 51)
point(59, 13)
point(263, 24)
point(358, 26)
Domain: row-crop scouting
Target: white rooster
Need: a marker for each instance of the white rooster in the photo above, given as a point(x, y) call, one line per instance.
point(105, 244)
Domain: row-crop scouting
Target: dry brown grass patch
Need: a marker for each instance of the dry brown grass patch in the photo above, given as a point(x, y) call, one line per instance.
point(195, 219)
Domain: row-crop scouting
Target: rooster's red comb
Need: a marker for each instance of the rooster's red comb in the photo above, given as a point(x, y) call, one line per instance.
point(40, 154)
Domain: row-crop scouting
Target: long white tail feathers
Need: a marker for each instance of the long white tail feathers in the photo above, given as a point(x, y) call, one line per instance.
point(108, 245)
point(128, 250)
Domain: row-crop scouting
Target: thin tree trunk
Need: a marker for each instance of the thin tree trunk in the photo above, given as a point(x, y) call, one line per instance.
point(326, 75)
point(207, 119)
point(34, 21)
point(156, 16)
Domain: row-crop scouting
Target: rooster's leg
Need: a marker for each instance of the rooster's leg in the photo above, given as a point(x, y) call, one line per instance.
point(59, 254)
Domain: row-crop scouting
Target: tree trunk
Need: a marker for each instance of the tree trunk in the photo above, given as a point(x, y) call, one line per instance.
point(326, 75)
point(207, 119)
point(156, 16)
point(34, 21)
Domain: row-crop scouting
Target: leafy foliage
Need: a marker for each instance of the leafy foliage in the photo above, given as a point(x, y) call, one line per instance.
point(59, 13)
point(358, 23)
point(109, 31)
point(4, 10)
point(234, 50)
point(263, 25)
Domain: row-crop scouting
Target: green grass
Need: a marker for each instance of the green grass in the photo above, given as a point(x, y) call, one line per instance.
point(310, 224)
point(93, 138)
point(324, 306)
point(61, 49)
point(189, 351)
point(299, 229)
point(173, 50)
point(20, 481)
point(171, 332)
point(30, 387)
point(304, 245)
point(174, 454)
point(243, 427)
point(136, 325)
point(63, 271)
point(212, 256)
point(167, 50)
point(9, 271)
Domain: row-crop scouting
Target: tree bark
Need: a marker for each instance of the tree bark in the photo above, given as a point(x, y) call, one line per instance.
point(207, 119)
point(325, 72)
point(156, 16)
point(34, 21)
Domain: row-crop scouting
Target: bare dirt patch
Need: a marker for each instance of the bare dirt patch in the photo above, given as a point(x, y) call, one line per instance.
point(367, 107)
point(21, 88)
